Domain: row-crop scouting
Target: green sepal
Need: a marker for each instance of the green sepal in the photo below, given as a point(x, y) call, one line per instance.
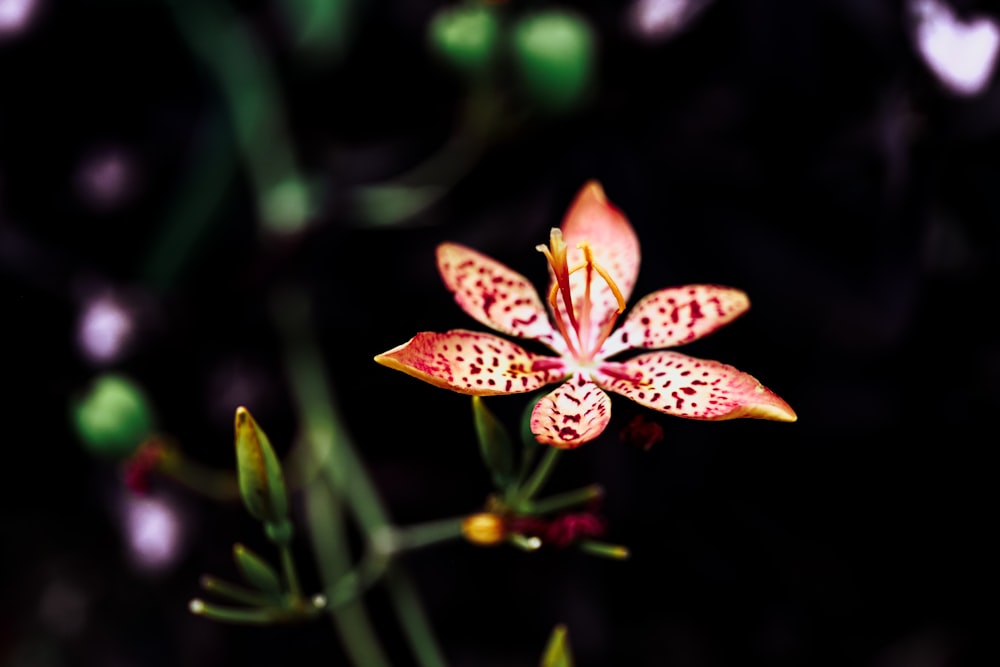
point(557, 653)
point(554, 54)
point(256, 571)
point(279, 532)
point(262, 484)
point(466, 37)
point(494, 443)
point(113, 417)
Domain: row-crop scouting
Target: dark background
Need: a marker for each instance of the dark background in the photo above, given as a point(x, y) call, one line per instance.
point(801, 151)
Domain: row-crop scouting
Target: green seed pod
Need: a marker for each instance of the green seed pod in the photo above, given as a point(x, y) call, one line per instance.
point(261, 482)
point(256, 571)
point(466, 37)
point(554, 55)
point(113, 417)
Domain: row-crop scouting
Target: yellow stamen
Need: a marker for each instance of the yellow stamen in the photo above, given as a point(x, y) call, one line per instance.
point(604, 274)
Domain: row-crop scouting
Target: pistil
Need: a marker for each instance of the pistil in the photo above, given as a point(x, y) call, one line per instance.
point(556, 257)
point(580, 345)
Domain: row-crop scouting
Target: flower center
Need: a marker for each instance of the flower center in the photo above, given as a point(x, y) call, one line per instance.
point(576, 314)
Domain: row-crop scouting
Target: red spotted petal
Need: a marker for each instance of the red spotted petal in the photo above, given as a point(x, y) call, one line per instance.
point(592, 218)
point(575, 413)
point(693, 388)
point(675, 316)
point(473, 363)
point(495, 295)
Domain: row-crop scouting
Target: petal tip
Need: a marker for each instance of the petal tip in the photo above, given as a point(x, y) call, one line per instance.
point(595, 191)
point(772, 408)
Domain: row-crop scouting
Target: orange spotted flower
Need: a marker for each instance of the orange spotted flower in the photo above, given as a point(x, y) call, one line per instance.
point(593, 263)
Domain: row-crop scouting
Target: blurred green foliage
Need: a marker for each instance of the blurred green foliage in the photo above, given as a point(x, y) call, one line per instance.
point(113, 417)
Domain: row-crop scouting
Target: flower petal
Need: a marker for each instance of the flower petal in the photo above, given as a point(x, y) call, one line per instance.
point(675, 316)
point(592, 218)
point(575, 413)
point(473, 363)
point(495, 295)
point(693, 388)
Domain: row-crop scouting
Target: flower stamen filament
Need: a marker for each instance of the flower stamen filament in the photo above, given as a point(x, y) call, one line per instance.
point(579, 321)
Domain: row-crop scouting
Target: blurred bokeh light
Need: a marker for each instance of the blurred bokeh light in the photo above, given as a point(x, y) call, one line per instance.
point(961, 53)
point(106, 326)
point(153, 530)
point(15, 15)
point(659, 19)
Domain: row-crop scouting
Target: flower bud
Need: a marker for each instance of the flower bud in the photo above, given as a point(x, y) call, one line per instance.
point(466, 37)
point(261, 482)
point(554, 54)
point(113, 418)
point(484, 529)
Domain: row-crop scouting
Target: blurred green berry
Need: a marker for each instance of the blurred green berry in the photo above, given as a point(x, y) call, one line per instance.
point(466, 37)
point(554, 55)
point(113, 417)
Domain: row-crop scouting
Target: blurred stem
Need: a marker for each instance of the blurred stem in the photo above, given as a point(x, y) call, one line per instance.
point(412, 617)
point(213, 167)
point(538, 477)
point(325, 514)
point(425, 534)
point(561, 501)
point(218, 485)
point(341, 469)
point(216, 33)
point(291, 576)
point(412, 191)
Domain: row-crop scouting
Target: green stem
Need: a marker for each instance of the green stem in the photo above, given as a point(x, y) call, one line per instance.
point(538, 477)
point(325, 516)
point(561, 501)
point(342, 470)
point(218, 485)
point(291, 576)
point(193, 211)
point(425, 534)
point(412, 618)
point(248, 86)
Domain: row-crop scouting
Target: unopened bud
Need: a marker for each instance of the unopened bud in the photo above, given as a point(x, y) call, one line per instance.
point(484, 529)
point(261, 482)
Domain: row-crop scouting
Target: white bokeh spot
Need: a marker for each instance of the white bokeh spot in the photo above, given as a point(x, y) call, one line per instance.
point(962, 54)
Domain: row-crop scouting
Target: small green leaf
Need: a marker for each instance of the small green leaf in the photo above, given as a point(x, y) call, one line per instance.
point(557, 653)
point(256, 571)
point(113, 418)
point(494, 443)
point(262, 484)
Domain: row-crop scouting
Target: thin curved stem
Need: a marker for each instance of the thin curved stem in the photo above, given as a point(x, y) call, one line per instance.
point(538, 478)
